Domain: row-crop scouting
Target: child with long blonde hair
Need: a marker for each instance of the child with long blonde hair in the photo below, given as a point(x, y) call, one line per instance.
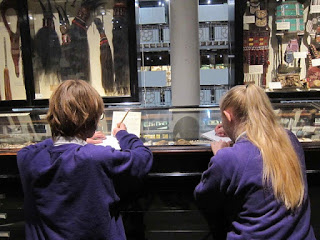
point(256, 189)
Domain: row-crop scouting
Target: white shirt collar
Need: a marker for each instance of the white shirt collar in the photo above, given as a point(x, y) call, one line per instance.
point(70, 140)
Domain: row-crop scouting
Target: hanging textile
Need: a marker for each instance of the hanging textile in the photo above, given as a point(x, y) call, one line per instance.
point(120, 47)
point(46, 43)
point(107, 72)
point(75, 62)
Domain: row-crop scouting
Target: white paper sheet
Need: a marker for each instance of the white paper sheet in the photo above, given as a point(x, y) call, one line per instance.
point(132, 121)
point(110, 141)
point(211, 135)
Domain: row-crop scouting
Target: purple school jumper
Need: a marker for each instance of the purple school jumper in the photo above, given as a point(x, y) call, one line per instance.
point(68, 189)
point(237, 206)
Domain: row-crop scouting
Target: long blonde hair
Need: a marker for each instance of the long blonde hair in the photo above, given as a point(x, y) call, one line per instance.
point(254, 114)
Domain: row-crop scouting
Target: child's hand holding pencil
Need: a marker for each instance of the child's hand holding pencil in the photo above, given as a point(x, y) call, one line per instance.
point(120, 125)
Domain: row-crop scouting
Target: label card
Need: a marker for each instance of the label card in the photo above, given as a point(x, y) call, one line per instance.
point(300, 54)
point(256, 69)
point(309, 129)
point(275, 85)
point(315, 9)
point(249, 19)
point(283, 25)
point(315, 62)
point(38, 96)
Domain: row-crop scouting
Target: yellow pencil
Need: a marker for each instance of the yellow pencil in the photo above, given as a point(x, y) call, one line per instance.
point(125, 116)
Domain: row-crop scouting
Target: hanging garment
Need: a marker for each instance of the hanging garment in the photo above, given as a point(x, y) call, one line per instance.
point(256, 49)
point(291, 12)
point(293, 46)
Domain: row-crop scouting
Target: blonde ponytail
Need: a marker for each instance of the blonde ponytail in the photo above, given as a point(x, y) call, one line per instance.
point(281, 166)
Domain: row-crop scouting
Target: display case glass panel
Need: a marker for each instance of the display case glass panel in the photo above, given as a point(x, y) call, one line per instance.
point(170, 126)
point(159, 126)
point(281, 44)
point(300, 118)
point(84, 39)
point(216, 51)
point(23, 128)
point(12, 85)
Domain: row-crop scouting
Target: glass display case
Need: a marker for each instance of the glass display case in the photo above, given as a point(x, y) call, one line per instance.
point(159, 126)
point(83, 39)
point(216, 50)
point(12, 85)
point(281, 44)
point(44, 42)
point(301, 118)
point(165, 209)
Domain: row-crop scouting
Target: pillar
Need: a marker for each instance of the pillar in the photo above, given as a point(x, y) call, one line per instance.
point(184, 53)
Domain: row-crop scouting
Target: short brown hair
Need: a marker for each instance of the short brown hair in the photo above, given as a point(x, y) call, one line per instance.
point(74, 109)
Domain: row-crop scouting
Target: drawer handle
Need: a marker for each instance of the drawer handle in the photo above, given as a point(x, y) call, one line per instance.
point(4, 234)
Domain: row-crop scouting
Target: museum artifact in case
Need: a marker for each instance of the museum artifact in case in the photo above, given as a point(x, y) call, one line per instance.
point(281, 43)
point(45, 42)
point(12, 83)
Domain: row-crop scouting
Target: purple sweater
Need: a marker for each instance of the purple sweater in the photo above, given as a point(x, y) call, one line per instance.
point(69, 191)
point(237, 206)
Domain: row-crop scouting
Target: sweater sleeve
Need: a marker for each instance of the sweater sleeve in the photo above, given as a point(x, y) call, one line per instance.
point(135, 159)
point(210, 195)
point(217, 180)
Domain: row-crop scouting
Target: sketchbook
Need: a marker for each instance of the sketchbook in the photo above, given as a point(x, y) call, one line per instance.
point(211, 135)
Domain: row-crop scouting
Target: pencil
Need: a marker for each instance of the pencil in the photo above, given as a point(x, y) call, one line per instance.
point(125, 116)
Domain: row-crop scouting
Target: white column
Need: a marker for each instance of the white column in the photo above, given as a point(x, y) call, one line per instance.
point(184, 52)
